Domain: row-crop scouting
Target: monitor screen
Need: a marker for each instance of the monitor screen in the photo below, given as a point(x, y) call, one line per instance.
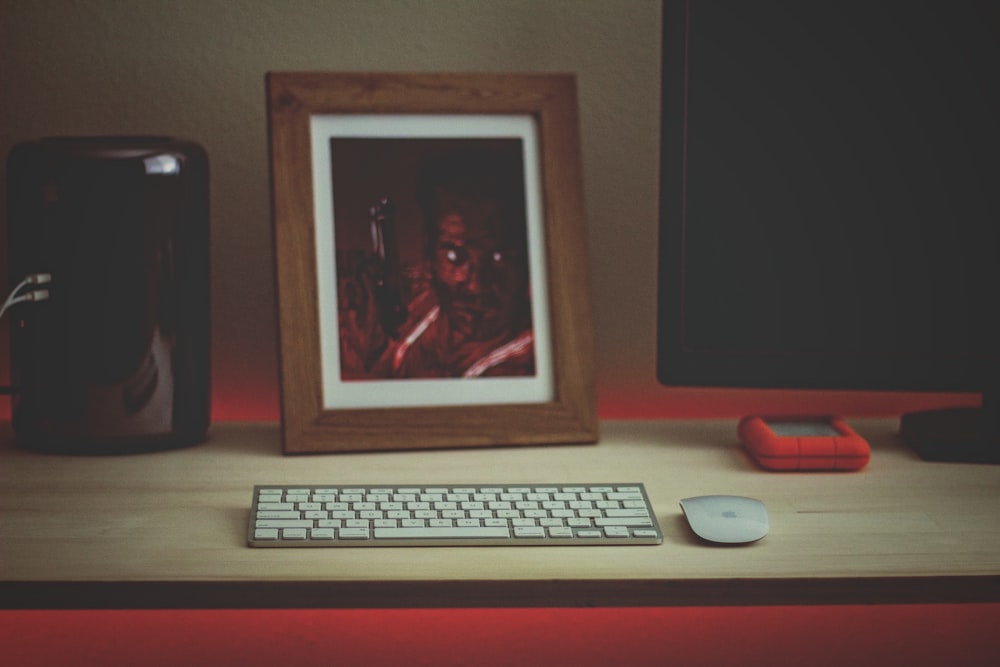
point(830, 195)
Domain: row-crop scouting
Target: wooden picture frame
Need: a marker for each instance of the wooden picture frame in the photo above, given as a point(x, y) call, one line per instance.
point(315, 119)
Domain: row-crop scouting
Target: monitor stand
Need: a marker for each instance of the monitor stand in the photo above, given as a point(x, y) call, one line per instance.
point(970, 435)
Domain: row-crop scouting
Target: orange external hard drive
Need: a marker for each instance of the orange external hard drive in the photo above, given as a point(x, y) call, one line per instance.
point(803, 443)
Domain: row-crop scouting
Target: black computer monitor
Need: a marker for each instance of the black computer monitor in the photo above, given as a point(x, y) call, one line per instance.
point(830, 202)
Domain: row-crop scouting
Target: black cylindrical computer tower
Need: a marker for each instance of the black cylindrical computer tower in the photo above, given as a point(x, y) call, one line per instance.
point(116, 358)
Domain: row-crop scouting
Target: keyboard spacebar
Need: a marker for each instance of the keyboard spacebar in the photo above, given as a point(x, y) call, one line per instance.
point(440, 533)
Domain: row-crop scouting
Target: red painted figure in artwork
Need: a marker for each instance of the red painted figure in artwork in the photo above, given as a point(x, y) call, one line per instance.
point(473, 316)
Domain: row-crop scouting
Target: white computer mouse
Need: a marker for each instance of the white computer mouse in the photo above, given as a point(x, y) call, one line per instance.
point(726, 519)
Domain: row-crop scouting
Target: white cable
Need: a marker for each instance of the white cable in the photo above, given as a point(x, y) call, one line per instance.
point(35, 295)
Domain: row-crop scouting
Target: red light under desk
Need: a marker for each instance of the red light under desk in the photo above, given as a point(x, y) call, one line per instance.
point(912, 635)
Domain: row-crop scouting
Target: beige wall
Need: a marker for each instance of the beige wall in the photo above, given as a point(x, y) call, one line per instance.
point(195, 69)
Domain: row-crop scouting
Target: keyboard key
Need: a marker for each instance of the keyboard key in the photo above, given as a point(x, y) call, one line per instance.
point(275, 506)
point(356, 533)
point(529, 531)
point(277, 514)
point(624, 495)
point(284, 523)
point(456, 532)
point(625, 512)
point(623, 521)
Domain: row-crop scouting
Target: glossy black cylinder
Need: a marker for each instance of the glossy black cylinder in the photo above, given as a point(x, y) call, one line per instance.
point(117, 358)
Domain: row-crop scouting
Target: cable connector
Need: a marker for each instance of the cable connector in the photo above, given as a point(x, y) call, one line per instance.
point(38, 278)
point(36, 295)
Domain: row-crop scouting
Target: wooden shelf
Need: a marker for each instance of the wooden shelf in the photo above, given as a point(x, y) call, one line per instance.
point(168, 529)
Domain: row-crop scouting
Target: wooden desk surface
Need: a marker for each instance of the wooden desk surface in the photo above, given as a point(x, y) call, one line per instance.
point(168, 529)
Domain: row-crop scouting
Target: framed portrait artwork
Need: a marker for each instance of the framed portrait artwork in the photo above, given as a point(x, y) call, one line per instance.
point(431, 261)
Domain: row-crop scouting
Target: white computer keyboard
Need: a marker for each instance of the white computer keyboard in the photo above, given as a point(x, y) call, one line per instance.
point(452, 515)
